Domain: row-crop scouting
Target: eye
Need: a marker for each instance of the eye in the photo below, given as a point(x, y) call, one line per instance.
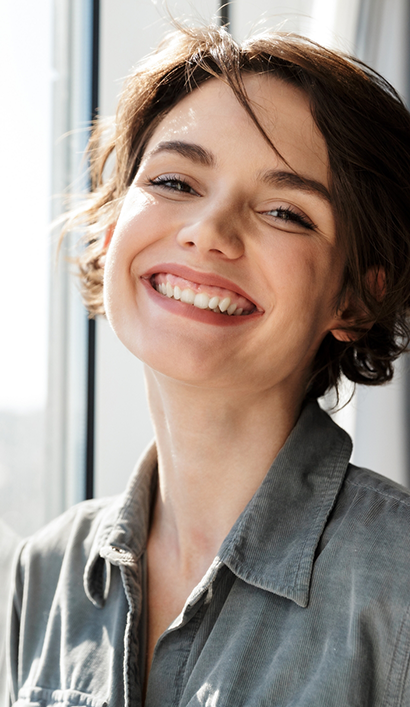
point(172, 182)
point(286, 218)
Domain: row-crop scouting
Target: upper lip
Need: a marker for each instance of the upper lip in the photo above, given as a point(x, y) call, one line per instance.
point(201, 278)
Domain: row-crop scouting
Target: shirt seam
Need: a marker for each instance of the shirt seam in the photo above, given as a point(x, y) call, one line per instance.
point(380, 493)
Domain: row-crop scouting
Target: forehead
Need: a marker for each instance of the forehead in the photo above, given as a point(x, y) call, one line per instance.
point(212, 115)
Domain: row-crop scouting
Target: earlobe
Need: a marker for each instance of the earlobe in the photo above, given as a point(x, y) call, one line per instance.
point(343, 335)
point(354, 322)
point(355, 315)
point(350, 313)
point(357, 329)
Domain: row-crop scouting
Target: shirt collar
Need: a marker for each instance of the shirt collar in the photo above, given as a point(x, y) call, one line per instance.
point(273, 542)
point(122, 535)
point(272, 545)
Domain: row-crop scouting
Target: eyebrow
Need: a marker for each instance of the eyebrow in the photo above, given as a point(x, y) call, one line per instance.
point(194, 152)
point(273, 177)
point(293, 180)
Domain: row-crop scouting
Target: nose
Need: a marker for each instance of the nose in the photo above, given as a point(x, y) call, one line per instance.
point(215, 231)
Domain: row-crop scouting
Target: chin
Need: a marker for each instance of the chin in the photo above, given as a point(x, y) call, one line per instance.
point(179, 357)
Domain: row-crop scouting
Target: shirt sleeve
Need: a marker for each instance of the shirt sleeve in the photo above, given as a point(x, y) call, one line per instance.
point(13, 629)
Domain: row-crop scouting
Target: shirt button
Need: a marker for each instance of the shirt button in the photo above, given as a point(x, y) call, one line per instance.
point(118, 549)
point(117, 555)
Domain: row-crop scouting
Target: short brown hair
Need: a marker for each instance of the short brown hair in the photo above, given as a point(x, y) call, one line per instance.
point(367, 131)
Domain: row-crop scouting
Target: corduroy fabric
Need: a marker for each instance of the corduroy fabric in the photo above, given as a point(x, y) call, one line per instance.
point(307, 603)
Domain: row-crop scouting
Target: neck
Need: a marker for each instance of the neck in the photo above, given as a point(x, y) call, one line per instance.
point(214, 449)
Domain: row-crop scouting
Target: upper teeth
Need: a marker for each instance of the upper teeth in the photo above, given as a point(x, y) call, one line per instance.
point(200, 299)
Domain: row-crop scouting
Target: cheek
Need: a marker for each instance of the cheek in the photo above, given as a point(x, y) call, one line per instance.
point(291, 266)
point(304, 276)
point(118, 285)
point(139, 228)
point(113, 285)
point(138, 223)
point(133, 232)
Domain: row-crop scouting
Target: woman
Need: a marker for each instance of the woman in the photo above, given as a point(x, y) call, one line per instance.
point(251, 244)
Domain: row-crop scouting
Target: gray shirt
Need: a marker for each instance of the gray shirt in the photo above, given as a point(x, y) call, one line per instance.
point(9, 540)
point(307, 603)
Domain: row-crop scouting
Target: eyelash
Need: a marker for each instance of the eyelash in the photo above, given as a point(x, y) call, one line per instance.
point(286, 214)
point(165, 181)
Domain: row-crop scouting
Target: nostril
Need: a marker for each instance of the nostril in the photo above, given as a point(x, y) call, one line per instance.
point(208, 238)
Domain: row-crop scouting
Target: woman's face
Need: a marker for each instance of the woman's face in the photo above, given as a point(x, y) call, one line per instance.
point(213, 219)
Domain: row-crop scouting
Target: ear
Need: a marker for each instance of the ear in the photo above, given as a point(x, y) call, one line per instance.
point(344, 335)
point(355, 311)
point(108, 235)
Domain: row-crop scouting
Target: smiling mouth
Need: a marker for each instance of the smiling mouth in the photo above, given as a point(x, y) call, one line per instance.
point(205, 297)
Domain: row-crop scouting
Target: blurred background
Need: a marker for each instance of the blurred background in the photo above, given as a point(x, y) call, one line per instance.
point(73, 417)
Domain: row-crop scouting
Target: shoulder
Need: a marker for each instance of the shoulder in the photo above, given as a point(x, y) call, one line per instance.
point(49, 589)
point(377, 485)
point(371, 521)
point(70, 536)
point(364, 552)
point(377, 499)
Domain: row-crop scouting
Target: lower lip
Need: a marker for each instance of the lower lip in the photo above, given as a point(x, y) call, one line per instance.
point(199, 315)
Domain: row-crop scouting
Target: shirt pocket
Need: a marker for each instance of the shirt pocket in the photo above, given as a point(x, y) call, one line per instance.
point(43, 697)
